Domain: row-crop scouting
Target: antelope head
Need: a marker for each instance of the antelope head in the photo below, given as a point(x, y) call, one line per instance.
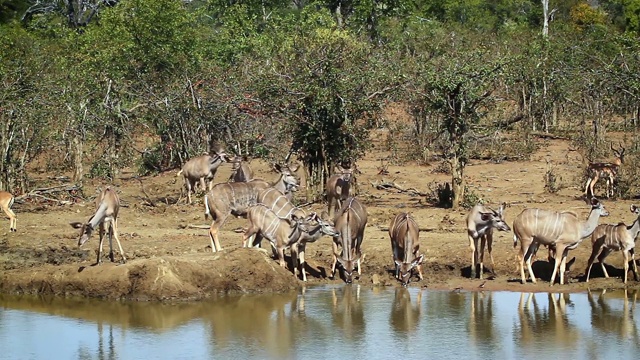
point(405, 268)
point(290, 181)
point(496, 218)
point(326, 227)
point(85, 231)
point(348, 265)
point(619, 153)
point(597, 205)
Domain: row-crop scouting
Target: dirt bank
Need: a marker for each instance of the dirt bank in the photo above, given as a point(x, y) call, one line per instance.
point(168, 259)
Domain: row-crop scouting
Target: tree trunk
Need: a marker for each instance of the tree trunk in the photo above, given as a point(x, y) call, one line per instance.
point(78, 151)
point(545, 19)
point(457, 181)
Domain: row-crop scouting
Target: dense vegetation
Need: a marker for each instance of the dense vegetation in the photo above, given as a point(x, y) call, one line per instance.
point(98, 85)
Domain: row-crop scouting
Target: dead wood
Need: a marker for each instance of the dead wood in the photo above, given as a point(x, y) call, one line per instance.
point(391, 185)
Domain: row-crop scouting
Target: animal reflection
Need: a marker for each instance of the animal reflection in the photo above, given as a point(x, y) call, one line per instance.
point(107, 352)
point(347, 311)
point(551, 323)
point(264, 321)
point(405, 316)
point(481, 326)
point(610, 319)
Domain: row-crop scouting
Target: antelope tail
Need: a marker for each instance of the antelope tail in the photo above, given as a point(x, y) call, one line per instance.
point(515, 241)
point(207, 212)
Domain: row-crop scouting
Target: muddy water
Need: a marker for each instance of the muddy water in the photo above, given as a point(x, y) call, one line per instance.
point(327, 322)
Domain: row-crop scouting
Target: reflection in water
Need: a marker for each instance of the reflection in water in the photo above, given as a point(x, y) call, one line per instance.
point(610, 319)
point(347, 311)
point(546, 325)
point(405, 316)
point(327, 322)
point(481, 326)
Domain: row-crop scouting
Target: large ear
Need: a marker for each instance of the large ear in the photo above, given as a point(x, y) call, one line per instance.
point(501, 208)
point(634, 209)
point(594, 201)
point(294, 168)
point(76, 225)
point(486, 216)
point(417, 261)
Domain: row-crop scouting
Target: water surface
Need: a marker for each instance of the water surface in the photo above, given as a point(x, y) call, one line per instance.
point(346, 321)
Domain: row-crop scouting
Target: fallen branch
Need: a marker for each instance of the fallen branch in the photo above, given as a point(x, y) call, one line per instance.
point(192, 226)
point(421, 228)
point(61, 202)
point(391, 185)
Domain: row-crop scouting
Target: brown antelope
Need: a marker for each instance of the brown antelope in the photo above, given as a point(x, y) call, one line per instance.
point(350, 222)
point(236, 198)
point(405, 245)
point(607, 238)
point(6, 201)
point(309, 233)
point(267, 224)
point(606, 170)
point(562, 229)
point(481, 221)
point(279, 203)
point(107, 204)
point(240, 170)
point(337, 187)
point(201, 168)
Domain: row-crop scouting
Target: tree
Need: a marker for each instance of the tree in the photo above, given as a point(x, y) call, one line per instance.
point(323, 87)
point(457, 87)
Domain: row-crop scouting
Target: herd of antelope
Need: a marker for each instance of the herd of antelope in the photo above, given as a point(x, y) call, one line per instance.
point(271, 214)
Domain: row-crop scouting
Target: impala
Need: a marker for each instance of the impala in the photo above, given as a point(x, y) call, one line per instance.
point(6, 201)
point(107, 204)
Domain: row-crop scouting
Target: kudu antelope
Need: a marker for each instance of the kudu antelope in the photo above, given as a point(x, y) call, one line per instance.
point(309, 233)
point(350, 222)
point(606, 170)
point(481, 221)
point(267, 224)
point(405, 245)
point(534, 227)
point(6, 201)
point(236, 198)
point(203, 169)
point(607, 238)
point(106, 215)
point(240, 170)
point(337, 188)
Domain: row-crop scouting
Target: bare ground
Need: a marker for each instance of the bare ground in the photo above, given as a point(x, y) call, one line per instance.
point(168, 260)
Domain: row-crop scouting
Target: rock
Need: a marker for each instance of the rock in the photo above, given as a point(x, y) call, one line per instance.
point(375, 279)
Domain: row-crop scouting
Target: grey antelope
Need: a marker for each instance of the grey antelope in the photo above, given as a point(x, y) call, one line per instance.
point(338, 187)
point(309, 233)
point(606, 170)
point(107, 204)
point(350, 222)
point(240, 170)
point(481, 221)
point(201, 168)
point(534, 227)
point(405, 245)
point(607, 238)
point(236, 198)
point(6, 201)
